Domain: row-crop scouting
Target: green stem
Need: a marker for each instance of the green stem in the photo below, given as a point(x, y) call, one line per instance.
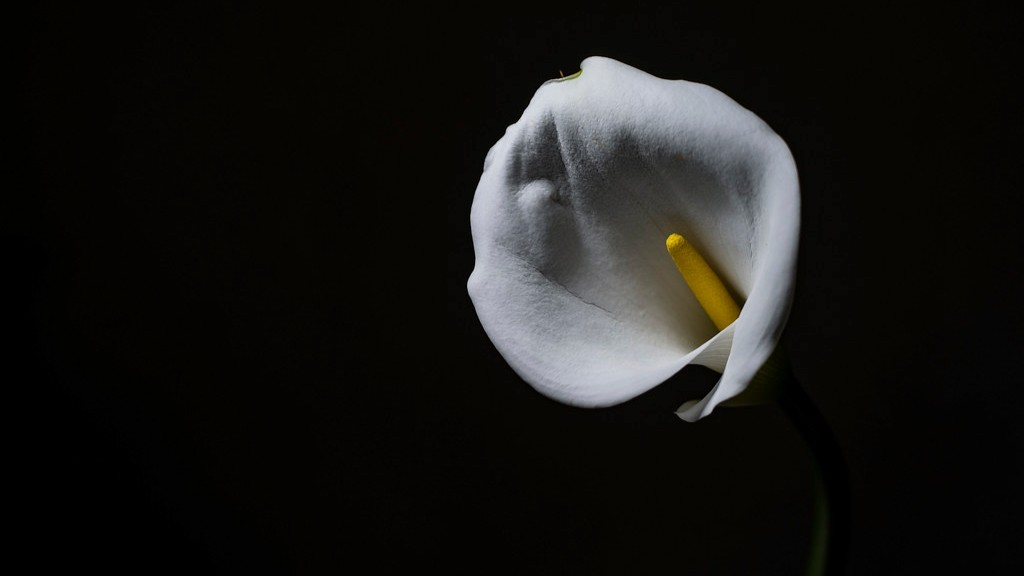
point(830, 539)
point(820, 534)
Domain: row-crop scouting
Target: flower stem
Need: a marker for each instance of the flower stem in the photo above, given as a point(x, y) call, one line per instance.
point(832, 499)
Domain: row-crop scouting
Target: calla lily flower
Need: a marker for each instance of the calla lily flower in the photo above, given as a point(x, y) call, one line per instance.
point(572, 282)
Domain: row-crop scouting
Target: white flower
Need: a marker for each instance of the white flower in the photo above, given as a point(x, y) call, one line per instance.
point(572, 281)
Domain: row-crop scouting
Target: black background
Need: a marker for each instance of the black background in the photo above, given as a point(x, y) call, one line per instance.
point(223, 256)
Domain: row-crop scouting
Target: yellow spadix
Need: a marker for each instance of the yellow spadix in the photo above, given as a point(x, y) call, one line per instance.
point(706, 285)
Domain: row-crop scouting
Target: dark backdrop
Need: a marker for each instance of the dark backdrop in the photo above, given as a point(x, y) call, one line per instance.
point(222, 252)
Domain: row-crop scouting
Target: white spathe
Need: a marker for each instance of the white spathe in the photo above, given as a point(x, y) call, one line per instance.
point(573, 283)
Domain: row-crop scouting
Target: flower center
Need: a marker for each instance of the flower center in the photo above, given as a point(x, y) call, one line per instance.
point(702, 280)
